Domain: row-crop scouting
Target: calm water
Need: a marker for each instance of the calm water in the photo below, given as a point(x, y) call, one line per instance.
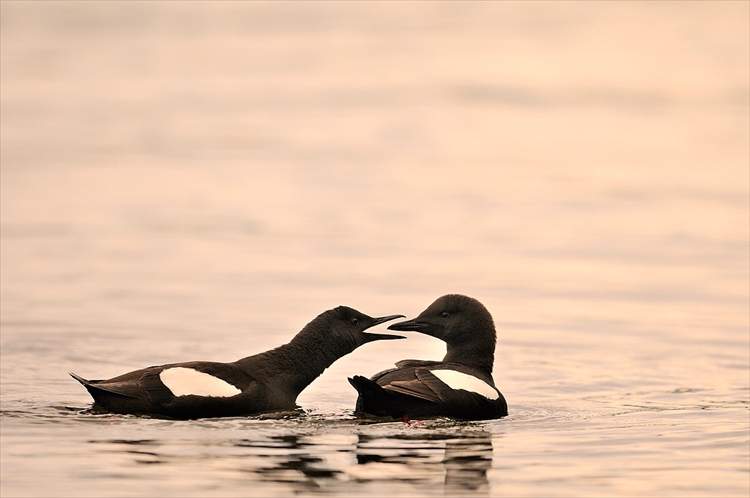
point(198, 181)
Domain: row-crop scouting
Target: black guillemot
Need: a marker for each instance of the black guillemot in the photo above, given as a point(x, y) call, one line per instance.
point(460, 386)
point(264, 382)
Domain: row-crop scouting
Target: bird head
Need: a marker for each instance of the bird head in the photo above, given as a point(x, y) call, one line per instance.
point(453, 318)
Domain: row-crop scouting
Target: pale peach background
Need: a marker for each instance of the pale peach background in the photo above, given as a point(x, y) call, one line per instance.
point(198, 180)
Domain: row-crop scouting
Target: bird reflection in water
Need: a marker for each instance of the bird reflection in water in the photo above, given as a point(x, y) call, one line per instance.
point(457, 463)
point(466, 463)
point(460, 462)
point(454, 461)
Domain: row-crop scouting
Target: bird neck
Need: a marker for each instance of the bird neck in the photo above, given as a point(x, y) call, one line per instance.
point(296, 364)
point(472, 355)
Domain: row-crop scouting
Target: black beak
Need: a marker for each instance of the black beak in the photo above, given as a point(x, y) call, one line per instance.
point(380, 337)
point(409, 326)
point(383, 319)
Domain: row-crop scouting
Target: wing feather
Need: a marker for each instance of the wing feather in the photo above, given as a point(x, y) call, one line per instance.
point(414, 388)
point(415, 363)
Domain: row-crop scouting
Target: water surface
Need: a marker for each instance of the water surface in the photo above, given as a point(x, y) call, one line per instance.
point(198, 181)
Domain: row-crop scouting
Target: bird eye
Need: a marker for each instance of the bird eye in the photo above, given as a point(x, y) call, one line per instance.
point(445, 314)
point(355, 321)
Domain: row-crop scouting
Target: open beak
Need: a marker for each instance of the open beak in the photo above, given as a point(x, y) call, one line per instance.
point(378, 337)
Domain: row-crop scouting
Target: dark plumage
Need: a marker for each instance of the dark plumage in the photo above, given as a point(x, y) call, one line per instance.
point(264, 382)
point(459, 386)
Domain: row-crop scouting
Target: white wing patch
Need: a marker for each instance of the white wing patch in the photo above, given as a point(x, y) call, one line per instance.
point(185, 381)
point(458, 380)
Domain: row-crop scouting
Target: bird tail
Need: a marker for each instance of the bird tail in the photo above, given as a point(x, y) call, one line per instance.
point(372, 397)
point(365, 386)
point(96, 389)
point(80, 379)
point(375, 401)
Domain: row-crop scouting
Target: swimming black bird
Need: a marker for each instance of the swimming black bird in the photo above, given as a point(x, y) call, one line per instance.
point(264, 382)
point(459, 386)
